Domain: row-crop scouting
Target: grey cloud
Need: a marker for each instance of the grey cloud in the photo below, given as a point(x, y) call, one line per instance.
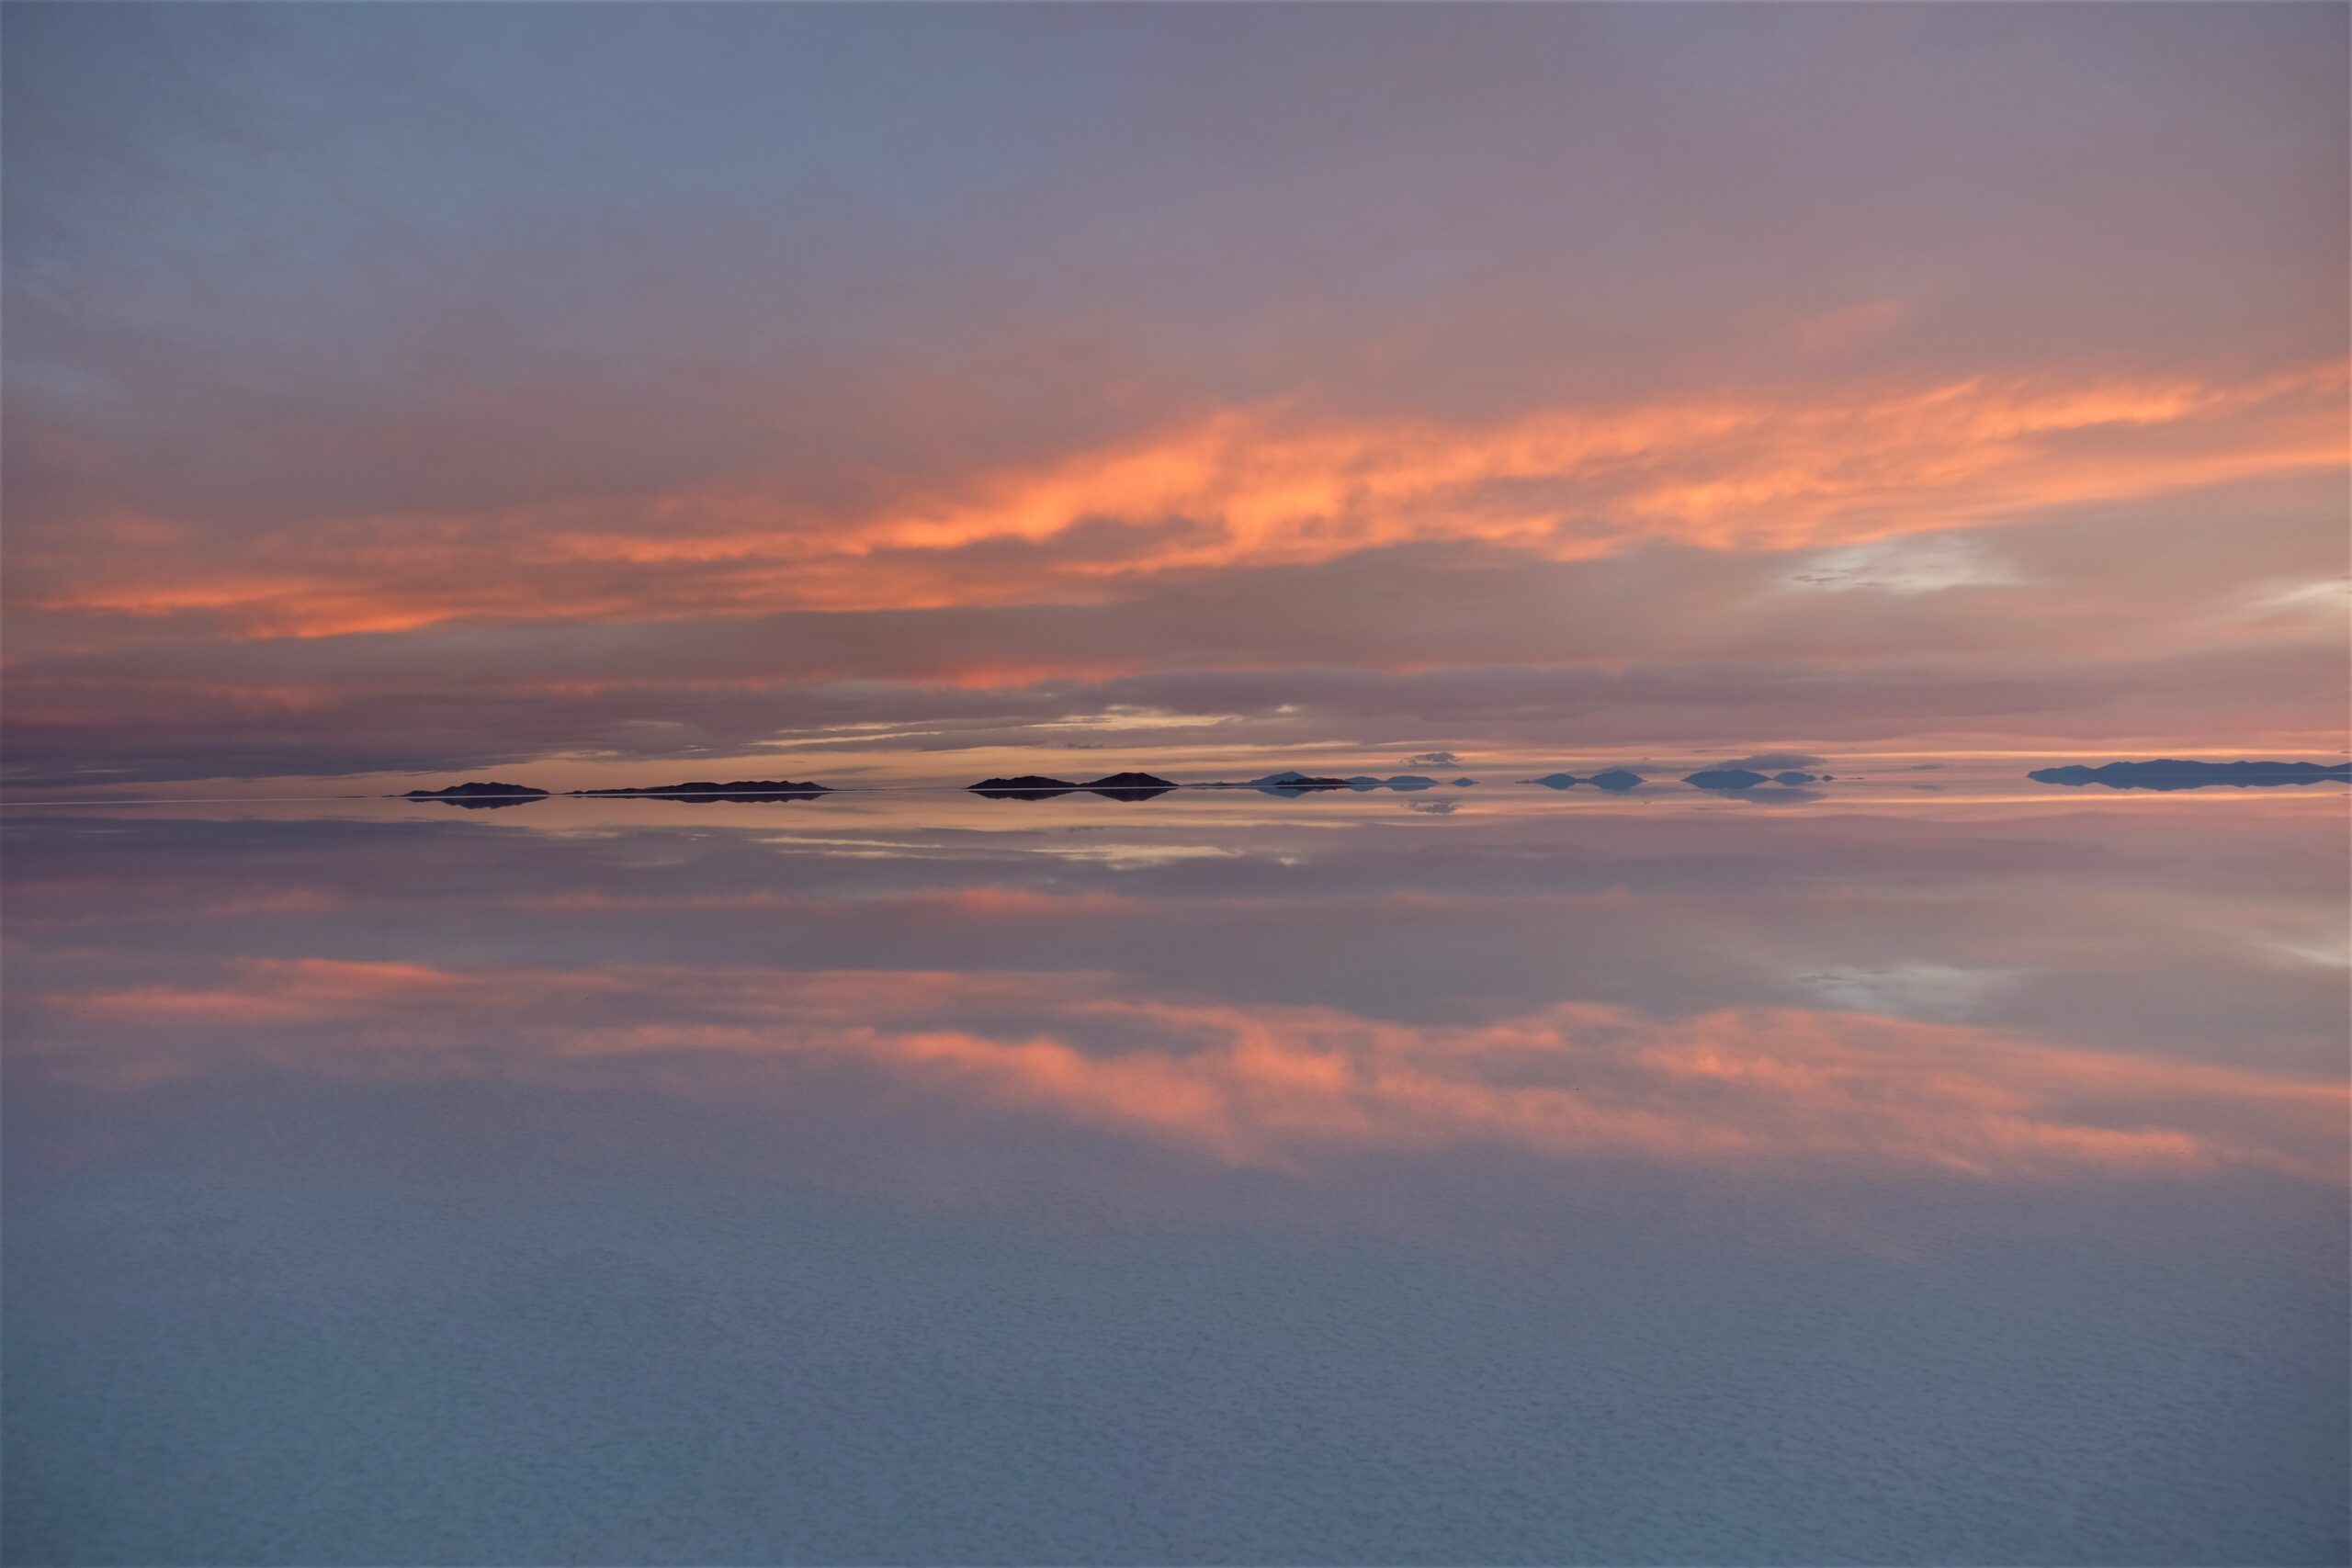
point(522, 294)
point(1535, 711)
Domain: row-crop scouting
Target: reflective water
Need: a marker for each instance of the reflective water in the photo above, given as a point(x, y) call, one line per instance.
point(1864, 1174)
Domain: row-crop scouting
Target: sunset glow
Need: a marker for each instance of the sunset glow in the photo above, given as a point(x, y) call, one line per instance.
point(801, 783)
point(1991, 454)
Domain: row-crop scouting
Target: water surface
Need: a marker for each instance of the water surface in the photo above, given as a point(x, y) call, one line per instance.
point(1870, 1173)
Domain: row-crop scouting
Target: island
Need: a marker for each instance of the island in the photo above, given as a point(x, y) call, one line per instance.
point(1111, 786)
point(2174, 773)
point(1294, 784)
point(1128, 785)
point(1290, 782)
point(480, 795)
point(1608, 778)
point(1736, 778)
point(1021, 784)
point(703, 789)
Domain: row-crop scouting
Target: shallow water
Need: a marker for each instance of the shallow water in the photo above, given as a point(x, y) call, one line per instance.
point(1875, 1173)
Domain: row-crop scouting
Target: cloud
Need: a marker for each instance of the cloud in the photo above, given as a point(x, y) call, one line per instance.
point(1913, 988)
point(1930, 564)
point(174, 731)
point(1654, 647)
point(1432, 760)
point(1880, 476)
point(2325, 596)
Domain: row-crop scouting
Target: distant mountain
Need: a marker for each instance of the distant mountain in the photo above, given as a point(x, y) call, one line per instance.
point(736, 789)
point(1611, 778)
point(474, 788)
point(1725, 778)
point(1793, 777)
point(2174, 772)
point(480, 795)
point(1129, 786)
point(1024, 783)
point(1113, 786)
point(1463, 783)
point(1292, 783)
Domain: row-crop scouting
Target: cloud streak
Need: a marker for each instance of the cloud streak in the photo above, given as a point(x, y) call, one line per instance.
point(1250, 489)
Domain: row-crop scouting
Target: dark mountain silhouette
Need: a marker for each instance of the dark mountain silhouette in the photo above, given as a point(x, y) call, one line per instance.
point(480, 795)
point(1793, 777)
point(2174, 772)
point(1725, 778)
point(1111, 786)
point(1023, 786)
point(1292, 783)
point(736, 789)
point(1464, 783)
point(1129, 786)
point(1608, 778)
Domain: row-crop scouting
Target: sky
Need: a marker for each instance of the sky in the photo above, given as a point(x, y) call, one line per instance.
point(632, 393)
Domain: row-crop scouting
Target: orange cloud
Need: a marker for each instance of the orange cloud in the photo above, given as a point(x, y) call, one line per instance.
point(276, 990)
point(1253, 487)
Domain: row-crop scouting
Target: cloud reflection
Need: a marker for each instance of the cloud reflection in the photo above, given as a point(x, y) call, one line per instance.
point(1259, 1085)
